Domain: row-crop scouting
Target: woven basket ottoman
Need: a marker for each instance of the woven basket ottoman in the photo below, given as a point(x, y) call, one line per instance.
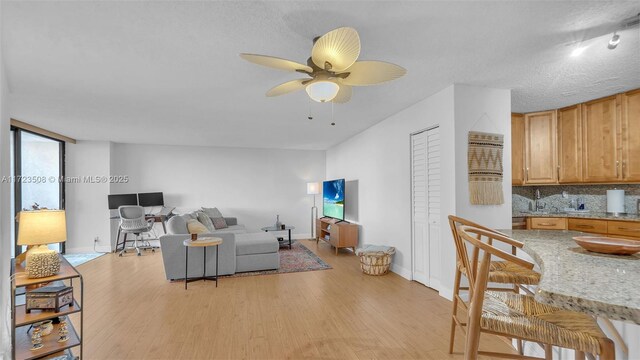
point(375, 259)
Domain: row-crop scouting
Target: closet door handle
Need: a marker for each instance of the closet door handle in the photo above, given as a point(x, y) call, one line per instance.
point(617, 168)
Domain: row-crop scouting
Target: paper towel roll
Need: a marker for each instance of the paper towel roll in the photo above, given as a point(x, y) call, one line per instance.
point(615, 201)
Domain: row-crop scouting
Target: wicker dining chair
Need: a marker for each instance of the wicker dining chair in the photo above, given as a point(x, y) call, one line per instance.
point(519, 316)
point(500, 272)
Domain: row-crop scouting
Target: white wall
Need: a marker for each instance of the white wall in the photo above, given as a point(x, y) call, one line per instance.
point(86, 202)
point(5, 208)
point(252, 184)
point(378, 158)
point(485, 110)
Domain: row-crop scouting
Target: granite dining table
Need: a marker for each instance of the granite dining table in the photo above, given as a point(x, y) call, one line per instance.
point(602, 285)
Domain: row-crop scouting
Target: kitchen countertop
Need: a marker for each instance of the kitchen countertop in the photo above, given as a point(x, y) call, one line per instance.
point(582, 215)
point(575, 279)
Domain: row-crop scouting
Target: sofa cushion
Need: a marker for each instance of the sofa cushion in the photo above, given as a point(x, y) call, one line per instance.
point(177, 225)
point(256, 243)
point(233, 229)
point(206, 221)
point(196, 227)
point(219, 221)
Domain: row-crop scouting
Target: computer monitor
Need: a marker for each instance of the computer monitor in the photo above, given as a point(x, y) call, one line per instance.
point(151, 199)
point(118, 200)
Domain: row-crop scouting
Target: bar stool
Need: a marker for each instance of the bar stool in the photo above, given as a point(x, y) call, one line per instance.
point(500, 272)
point(519, 316)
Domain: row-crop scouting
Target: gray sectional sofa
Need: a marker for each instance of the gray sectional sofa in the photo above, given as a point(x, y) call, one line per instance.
point(239, 252)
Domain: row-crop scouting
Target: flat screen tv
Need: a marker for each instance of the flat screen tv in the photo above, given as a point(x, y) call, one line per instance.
point(333, 199)
point(118, 200)
point(151, 199)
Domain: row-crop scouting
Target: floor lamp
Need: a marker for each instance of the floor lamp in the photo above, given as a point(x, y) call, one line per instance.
point(313, 188)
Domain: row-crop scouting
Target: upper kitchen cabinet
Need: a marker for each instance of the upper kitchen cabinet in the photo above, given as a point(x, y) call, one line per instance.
point(540, 148)
point(631, 136)
point(570, 144)
point(517, 149)
point(600, 135)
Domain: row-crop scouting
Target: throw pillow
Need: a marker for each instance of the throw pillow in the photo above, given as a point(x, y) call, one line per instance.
point(216, 216)
point(206, 221)
point(196, 227)
point(177, 225)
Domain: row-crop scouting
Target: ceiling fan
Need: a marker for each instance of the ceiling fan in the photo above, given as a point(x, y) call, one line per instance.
point(332, 68)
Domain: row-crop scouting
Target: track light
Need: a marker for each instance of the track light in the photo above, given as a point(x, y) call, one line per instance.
point(613, 43)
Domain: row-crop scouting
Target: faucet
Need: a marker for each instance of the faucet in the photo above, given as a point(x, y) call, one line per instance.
point(539, 205)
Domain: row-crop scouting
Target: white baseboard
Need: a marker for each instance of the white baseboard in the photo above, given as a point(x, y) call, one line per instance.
point(86, 249)
point(401, 271)
point(446, 292)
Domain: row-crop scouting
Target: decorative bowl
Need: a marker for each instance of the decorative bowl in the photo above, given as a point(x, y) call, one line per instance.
point(608, 245)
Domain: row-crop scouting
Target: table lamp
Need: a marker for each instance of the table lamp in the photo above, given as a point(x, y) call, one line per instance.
point(313, 188)
point(36, 229)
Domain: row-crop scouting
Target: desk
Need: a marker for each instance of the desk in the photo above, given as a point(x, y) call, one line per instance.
point(160, 217)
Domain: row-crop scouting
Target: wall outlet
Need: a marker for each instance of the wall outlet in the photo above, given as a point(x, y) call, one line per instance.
point(96, 239)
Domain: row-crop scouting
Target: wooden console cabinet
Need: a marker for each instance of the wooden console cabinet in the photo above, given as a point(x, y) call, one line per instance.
point(339, 234)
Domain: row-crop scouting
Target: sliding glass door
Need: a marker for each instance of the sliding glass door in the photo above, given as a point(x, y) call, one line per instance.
point(38, 166)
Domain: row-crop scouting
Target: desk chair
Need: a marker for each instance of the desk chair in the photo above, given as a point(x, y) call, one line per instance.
point(132, 221)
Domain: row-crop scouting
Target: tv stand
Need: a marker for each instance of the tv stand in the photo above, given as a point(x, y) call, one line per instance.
point(338, 233)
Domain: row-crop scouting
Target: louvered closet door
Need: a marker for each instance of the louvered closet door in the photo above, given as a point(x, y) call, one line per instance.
point(425, 206)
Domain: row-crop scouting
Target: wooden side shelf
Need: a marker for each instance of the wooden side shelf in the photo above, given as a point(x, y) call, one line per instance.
point(21, 321)
point(50, 342)
point(339, 234)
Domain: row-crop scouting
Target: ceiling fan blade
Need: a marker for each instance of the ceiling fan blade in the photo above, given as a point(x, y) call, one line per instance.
point(336, 50)
point(344, 94)
point(287, 87)
point(276, 63)
point(363, 73)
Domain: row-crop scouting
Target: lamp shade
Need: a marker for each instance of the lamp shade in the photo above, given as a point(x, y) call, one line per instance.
point(313, 188)
point(322, 91)
point(41, 227)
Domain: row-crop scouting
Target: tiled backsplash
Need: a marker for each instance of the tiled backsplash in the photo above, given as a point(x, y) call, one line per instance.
point(594, 196)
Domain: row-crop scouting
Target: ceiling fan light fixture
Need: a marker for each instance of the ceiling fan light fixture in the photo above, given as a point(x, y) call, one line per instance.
point(323, 90)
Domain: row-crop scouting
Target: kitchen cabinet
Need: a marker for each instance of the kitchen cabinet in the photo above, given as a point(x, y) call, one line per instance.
point(570, 144)
point(624, 228)
point(590, 143)
point(540, 148)
point(600, 121)
point(614, 228)
point(517, 149)
point(631, 136)
point(588, 225)
point(547, 223)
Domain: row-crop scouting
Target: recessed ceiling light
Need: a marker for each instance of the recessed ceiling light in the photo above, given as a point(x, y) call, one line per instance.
point(615, 40)
point(578, 51)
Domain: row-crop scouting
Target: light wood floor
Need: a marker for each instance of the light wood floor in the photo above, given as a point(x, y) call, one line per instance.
point(132, 312)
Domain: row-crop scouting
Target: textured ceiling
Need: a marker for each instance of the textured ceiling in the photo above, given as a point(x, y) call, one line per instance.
point(169, 72)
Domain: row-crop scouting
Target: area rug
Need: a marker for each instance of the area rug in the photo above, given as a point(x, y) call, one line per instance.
point(296, 259)
point(79, 259)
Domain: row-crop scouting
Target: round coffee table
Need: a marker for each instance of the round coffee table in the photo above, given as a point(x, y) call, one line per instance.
point(203, 243)
point(274, 228)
